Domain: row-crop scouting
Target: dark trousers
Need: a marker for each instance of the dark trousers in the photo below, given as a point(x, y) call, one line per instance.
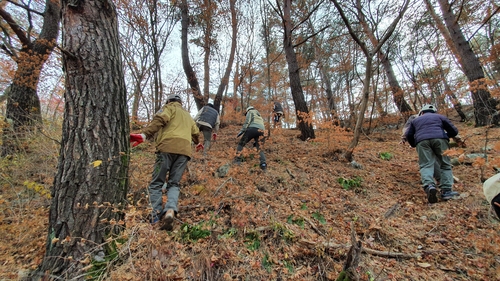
point(251, 134)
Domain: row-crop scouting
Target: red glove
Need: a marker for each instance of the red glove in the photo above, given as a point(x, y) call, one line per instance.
point(137, 139)
point(214, 136)
point(199, 147)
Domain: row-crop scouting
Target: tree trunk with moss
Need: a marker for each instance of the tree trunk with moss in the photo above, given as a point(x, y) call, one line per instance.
point(23, 105)
point(91, 183)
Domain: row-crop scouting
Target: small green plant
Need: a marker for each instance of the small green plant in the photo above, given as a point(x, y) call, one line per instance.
point(228, 233)
point(303, 207)
point(193, 232)
point(266, 263)
point(319, 217)
point(37, 188)
point(385, 155)
point(370, 276)
point(288, 266)
point(252, 241)
point(298, 221)
point(350, 183)
point(283, 232)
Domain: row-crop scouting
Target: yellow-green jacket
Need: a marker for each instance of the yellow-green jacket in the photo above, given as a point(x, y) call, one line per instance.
point(174, 128)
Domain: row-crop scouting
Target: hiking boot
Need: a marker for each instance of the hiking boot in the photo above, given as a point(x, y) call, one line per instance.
point(168, 220)
point(431, 192)
point(263, 166)
point(154, 220)
point(448, 194)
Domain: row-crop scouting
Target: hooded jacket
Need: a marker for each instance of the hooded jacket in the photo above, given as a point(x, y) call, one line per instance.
point(174, 128)
point(430, 126)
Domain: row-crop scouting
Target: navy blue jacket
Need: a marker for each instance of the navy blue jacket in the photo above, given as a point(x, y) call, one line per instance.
point(430, 126)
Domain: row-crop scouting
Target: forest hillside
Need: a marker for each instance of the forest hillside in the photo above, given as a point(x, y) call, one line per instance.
point(292, 222)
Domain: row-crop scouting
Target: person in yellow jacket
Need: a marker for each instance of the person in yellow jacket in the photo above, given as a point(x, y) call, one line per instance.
point(491, 189)
point(173, 129)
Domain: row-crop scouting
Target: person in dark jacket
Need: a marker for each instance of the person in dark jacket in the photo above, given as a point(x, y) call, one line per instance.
point(430, 134)
point(208, 122)
point(277, 112)
point(253, 128)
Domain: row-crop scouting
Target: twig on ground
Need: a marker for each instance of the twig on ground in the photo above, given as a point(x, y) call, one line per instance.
point(218, 188)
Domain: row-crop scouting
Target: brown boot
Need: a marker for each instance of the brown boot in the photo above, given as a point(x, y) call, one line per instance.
point(167, 222)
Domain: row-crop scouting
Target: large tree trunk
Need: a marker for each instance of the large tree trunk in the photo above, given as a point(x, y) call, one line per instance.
point(186, 64)
point(92, 176)
point(483, 106)
point(23, 104)
point(301, 110)
point(225, 80)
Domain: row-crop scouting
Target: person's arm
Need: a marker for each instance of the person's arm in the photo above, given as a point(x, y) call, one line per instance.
point(217, 124)
point(195, 133)
point(450, 129)
point(159, 121)
point(198, 115)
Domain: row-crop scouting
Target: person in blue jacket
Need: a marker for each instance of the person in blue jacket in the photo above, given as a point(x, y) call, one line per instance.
point(430, 134)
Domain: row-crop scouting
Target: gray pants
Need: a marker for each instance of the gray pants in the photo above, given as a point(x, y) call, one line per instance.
point(430, 152)
point(207, 136)
point(174, 165)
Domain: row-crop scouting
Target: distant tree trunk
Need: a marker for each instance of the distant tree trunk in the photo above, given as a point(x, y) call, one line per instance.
point(91, 183)
point(225, 79)
point(484, 107)
point(368, 70)
point(23, 104)
point(186, 64)
point(397, 91)
point(301, 110)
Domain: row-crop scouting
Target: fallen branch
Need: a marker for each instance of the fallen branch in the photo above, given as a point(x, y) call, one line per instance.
point(313, 226)
point(218, 188)
point(331, 246)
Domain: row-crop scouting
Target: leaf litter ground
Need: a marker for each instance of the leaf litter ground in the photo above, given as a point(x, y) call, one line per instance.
point(291, 222)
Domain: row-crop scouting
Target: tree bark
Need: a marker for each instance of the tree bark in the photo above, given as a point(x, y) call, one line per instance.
point(23, 104)
point(186, 64)
point(484, 106)
point(91, 183)
point(225, 79)
point(304, 120)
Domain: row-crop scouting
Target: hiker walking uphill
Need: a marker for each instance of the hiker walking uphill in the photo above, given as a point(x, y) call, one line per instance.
point(174, 129)
point(253, 128)
point(208, 122)
point(277, 112)
point(430, 134)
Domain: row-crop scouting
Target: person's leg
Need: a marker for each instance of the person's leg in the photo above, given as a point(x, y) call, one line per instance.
point(262, 156)
point(241, 144)
point(426, 160)
point(446, 183)
point(179, 163)
point(160, 170)
point(207, 135)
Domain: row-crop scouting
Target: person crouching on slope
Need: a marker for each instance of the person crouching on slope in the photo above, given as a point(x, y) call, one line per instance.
point(175, 129)
point(430, 134)
point(253, 128)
